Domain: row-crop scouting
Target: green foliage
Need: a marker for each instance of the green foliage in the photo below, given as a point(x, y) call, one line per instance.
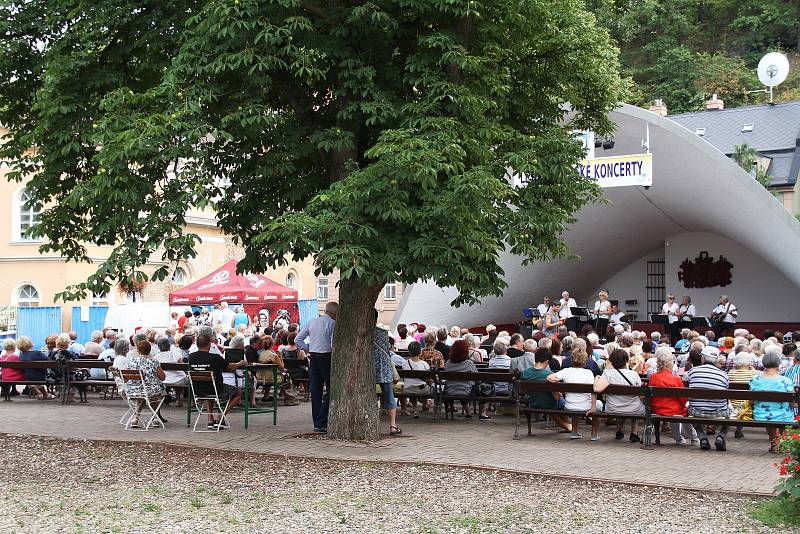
point(777, 512)
point(789, 466)
point(374, 136)
point(747, 158)
point(683, 51)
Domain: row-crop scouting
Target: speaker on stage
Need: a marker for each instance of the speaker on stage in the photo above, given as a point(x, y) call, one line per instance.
point(525, 329)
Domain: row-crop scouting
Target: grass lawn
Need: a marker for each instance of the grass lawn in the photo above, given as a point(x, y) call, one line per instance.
point(777, 512)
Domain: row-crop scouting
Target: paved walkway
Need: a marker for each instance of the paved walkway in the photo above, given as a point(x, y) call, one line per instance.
point(745, 467)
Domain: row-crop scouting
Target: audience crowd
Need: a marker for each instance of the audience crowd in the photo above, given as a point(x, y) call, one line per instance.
point(552, 353)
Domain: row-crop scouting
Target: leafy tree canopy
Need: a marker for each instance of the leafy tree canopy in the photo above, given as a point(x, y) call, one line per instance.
point(373, 136)
point(683, 51)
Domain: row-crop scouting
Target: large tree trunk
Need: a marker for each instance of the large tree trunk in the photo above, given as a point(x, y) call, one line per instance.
point(353, 412)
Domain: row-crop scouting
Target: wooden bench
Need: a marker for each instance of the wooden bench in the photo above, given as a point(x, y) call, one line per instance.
point(38, 364)
point(734, 392)
point(526, 387)
point(651, 421)
point(489, 376)
point(73, 365)
point(429, 377)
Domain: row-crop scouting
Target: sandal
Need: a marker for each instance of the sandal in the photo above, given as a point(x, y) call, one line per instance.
point(395, 430)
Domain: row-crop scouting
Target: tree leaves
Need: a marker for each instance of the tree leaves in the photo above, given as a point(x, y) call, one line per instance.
point(375, 137)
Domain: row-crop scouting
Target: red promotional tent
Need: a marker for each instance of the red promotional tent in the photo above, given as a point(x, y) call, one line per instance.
point(254, 291)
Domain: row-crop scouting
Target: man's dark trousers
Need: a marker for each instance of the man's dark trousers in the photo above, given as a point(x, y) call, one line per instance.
point(319, 376)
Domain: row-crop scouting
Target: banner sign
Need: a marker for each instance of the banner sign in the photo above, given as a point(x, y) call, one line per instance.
point(617, 171)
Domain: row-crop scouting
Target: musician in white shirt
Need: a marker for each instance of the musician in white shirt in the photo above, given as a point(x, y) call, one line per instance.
point(566, 304)
point(616, 315)
point(602, 311)
point(724, 316)
point(670, 309)
point(686, 310)
point(566, 311)
point(544, 307)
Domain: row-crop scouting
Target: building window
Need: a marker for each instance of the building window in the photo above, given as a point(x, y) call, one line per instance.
point(26, 217)
point(322, 288)
point(133, 296)
point(100, 299)
point(291, 280)
point(27, 296)
point(390, 291)
point(179, 276)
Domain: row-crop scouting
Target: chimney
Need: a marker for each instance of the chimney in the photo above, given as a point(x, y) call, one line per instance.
point(659, 108)
point(714, 103)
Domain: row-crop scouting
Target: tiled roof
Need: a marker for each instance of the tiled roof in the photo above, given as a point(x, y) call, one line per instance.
point(774, 134)
point(775, 127)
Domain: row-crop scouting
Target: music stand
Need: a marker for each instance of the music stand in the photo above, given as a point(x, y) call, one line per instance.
point(580, 315)
point(662, 320)
point(701, 321)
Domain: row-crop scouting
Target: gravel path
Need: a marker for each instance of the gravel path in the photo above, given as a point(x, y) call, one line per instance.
point(52, 485)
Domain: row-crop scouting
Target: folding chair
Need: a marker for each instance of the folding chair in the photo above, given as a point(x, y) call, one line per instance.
point(130, 377)
point(131, 406)
point(204, 378)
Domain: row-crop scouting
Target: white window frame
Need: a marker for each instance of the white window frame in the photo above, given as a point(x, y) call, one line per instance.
point(322, 289)
point(101, 299)
point(291, 275)
point(390, 291)
point(28, 302)
point(16, 218)
point(185, 279)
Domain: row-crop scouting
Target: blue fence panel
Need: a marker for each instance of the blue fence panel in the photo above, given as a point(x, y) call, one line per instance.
point(38, 323)
point(308, 310)
point(97, 319)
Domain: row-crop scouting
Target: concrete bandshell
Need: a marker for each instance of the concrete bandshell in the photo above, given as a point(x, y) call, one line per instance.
point(696, 188)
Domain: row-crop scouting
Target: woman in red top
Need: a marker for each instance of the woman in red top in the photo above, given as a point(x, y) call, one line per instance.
point(669, 406)
point(10, 355)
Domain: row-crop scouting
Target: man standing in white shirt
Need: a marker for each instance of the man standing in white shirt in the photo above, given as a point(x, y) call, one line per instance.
point(544, 307)
point(724, 316)
point(567, 304)
point(670, 309)
point(226, 316)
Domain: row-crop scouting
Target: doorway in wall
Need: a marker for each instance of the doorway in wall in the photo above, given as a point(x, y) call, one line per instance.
point(656, 285)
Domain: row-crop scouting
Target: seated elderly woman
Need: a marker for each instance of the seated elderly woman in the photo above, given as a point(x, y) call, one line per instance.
point(7, 374)
point(665, 377)
point(741, 373)
point(459, 362)
point(415, 387)
point(151, 386)
point(780, 413)
point(27, 354)
point(234, 378)
point(579, 402)
point(543, 399)
point(476, 353)
point(172, 379)
point(618, 374)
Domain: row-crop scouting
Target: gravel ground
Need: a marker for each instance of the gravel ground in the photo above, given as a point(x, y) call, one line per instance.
point(52, 485)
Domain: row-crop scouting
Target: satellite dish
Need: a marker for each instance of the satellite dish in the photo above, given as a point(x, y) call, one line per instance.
point(773, 69)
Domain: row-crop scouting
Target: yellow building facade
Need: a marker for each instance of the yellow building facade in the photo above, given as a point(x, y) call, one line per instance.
point(30, 278)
